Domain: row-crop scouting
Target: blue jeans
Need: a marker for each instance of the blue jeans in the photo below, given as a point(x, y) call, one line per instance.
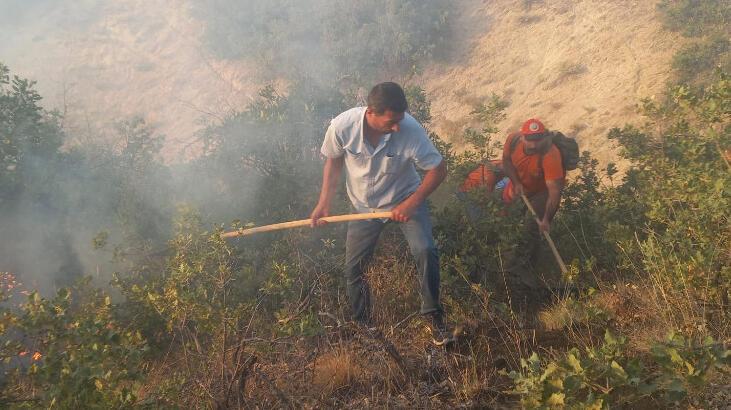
point(359, 246)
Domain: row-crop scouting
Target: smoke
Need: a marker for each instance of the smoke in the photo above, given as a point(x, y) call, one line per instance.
point(135, 81)
point(328, 41)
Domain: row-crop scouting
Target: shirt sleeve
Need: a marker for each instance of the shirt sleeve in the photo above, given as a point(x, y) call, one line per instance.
point(332, 147)
point(552, 166)
point(426, 156)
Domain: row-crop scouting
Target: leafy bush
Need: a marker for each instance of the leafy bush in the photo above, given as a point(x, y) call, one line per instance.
point(84, 356)
point(606, 377)
point(682, 177)
point(30, 138)
point(702, 57)
point(267, 154)
point(193, 297)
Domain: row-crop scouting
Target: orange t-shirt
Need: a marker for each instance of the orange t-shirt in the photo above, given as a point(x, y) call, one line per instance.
point(483, 176)
point(528, 167)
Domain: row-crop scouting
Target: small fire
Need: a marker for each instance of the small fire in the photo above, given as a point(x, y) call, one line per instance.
point(36, 356)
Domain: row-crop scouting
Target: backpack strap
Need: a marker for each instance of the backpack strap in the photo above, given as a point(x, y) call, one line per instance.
point(514, 140)
point(545, 151)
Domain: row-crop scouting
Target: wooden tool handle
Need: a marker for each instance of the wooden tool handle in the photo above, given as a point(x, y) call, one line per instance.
point(556, 255)
point(305, 222)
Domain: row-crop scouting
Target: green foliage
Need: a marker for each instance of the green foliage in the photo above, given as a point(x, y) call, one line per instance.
point(210, 302)
point(335, 42)
point(593, 220)
point(682, 177)
point(476, 232)
point(401, 35)
point(480, 143)
point(420, 109)
point(695, 18)
point(194, 296)
point(264, 155)
point(469, 245)
point(29, 138)
point(706, 23)
point(419, 106)
point(489, 114)
point(143, 211)
point(84, 356)
point(606, 377)
point(702, 57)
point(473, 230)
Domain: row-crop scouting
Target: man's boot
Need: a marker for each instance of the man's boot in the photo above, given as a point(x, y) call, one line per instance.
point(441, 336)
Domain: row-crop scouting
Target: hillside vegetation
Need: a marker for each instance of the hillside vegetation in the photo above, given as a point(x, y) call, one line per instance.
point(640, 320)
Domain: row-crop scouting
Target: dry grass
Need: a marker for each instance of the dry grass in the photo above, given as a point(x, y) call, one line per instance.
point(336, 370)
point(578, 127)
point(528, 19)
point(346, 366)
point(566, 71)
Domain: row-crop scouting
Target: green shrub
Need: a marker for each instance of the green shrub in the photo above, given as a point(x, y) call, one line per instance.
point(681, 183)
point(80, 355)
point(605, 377)
point(702, 57)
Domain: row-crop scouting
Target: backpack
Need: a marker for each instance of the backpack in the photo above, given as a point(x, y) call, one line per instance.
point(568, 148)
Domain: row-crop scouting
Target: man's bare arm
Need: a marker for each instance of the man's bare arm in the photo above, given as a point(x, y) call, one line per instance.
point(554, 199)
point(432, 179)
point(330, 177)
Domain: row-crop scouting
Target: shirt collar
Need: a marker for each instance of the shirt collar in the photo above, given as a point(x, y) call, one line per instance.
point(361, 142)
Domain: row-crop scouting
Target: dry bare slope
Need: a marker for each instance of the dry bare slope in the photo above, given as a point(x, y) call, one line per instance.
point(101, 62)
point(581, 66)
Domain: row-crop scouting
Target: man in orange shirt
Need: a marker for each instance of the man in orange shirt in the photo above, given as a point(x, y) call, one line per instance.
point(533, 164)
point(484, 176)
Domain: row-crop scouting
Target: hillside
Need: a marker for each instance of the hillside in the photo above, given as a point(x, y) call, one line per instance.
point(579, 66)
point(102, 62)
point(128, 278)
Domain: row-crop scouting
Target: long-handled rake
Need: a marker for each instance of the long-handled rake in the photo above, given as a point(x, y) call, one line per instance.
point(305, 222)
point(547, 236)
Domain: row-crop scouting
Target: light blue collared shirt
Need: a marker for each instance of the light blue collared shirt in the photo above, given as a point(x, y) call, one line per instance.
point(378, 179)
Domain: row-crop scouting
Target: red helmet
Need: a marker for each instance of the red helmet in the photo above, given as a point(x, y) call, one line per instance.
point(533, 129)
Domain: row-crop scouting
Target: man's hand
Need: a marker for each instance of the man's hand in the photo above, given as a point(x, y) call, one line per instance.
point(403, 211)
point(319, 212)
point(433, 177)
point(544, 225)
point(330, 177)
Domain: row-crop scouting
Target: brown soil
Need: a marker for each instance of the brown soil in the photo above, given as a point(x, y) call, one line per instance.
point(580, 66)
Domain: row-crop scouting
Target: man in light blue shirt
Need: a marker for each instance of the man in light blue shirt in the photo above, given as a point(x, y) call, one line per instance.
point(380, 146)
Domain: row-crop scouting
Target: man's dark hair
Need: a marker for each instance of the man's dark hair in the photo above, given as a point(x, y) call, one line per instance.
point(387, 96)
